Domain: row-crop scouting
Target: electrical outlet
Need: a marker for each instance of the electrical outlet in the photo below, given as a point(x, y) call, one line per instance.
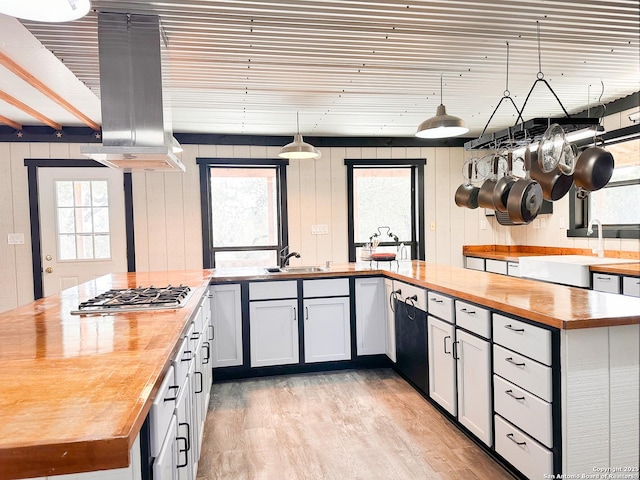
point(543, 223)
point(563, 223)
point(319, 229)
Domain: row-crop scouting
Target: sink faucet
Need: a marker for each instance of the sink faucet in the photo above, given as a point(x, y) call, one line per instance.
point(600, 249)
point(285, 256)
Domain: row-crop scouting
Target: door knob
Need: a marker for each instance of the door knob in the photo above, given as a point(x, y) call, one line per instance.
point(48, 270)
point(48, 258)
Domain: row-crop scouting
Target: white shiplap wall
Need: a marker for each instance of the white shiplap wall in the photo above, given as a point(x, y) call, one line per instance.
point(167, 210)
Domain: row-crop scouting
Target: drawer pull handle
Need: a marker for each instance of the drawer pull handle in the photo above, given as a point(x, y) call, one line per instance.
point(455, 350)
point(444, 342)
point(175, 396)
point(511, 394)
point(510, 437)
point(468, 312)
point(436, 300)
point(183, 450)
point(187, 358)
point(604, 279)
point(200, 376)
point(510, 360)
point(514, 329)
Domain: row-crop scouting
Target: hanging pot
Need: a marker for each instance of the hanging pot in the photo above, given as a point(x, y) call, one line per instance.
point(503, 187)
point(485, 195)
point(594, 168)
point(525, 197)
point(467, 194)
point(555, 184)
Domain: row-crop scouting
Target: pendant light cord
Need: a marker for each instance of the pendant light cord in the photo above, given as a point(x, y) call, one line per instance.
point(298, 122)
point(441, 103)
point(540, 74)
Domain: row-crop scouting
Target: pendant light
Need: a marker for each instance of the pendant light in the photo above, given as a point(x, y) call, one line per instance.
point(53, 11)
point(299, 149)
point(442, 125)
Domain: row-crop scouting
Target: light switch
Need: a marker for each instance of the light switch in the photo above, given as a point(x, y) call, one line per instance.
point(319, 229)
point(483, 224)
point(15, 238)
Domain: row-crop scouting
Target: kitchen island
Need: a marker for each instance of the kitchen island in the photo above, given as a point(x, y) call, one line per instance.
point(80, 388)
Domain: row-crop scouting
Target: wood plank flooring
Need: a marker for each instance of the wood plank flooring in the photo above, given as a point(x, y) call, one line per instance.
point(353, 424)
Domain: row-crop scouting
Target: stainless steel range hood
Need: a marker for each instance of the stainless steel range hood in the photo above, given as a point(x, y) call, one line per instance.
point(136, 127)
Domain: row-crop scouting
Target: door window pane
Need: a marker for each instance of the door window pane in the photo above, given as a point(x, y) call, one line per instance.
point(83, 230)
point(382, 197)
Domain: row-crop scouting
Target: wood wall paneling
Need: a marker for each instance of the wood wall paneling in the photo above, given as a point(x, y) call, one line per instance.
point(338, 226)
point(140, 220)
point(191, 209)
point(324, 208)
point(8, 287)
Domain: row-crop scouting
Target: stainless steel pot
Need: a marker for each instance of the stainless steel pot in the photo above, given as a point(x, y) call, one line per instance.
point(503, 187)
point(594, 168)
point(485, 195)
point(467, 196)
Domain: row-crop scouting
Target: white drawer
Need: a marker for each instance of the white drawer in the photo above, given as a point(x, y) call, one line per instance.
point(631, 286)
point(407, 290)
point(182, 361)
point(273, 290)
point(513, 269)
point(475, 263)
point(524, 338)
point(603, 282)
point(473, 318)
point(161, 411)
point(441, 306)
point(522, 451)
point(524, 410)
point(523, 372)
point(332, 287)
point(495, 266)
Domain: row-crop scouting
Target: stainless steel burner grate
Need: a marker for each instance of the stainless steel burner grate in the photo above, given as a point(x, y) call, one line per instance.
point(135, 299)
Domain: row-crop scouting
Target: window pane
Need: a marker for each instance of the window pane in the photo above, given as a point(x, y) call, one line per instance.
point(382, 197)
point(99, 193)
point(66, 223)
point(616, 205)
point(102, 247)
point(84, 223)
point(244, 207)
point(64, 193)
point(82, 195)
point(67, 247)
point(85, 247)
point(254, 258)
point(101, 220)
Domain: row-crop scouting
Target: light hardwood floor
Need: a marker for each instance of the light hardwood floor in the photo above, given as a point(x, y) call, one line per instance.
point(353, 424)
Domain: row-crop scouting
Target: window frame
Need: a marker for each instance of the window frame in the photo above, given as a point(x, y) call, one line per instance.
point(205, 166)
point(579, 208)
point(417, 204)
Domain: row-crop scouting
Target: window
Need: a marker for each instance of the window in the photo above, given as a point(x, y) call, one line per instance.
point(386, 198)
point(245, 212)
point(82, 219)
point(617, 204)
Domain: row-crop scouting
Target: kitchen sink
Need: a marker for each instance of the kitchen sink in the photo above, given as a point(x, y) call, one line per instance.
point(570, 270)
point(303, 269)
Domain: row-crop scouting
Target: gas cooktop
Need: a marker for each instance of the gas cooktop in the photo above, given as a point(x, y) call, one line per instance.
point(136, 300)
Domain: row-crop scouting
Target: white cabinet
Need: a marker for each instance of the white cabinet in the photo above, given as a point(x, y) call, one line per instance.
point(442, 364)
point(390, 340)
point(603, 282)
point(474, 263)
point(327, 329)
point(496, 266)
point(631, 286)
point(226, 322)
point(273, 326)
point(513, 269)
point(371, 322)
point(474, 384)
point(165, 465)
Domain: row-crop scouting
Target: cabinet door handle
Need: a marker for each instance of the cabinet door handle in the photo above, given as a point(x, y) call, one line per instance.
point(468, 312)
point(306, 313)
point(213, 332)
point(444, 344)
point(200, 390)
point(512, 361)
point(510, 437)
point(436, 300)
point(511, 394)
point(207, 357)
point(455, 350)
point(295, 314)
point(188, 437)
point(183, 450)
point(510, 327)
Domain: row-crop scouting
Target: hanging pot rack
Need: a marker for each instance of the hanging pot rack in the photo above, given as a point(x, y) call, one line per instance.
point(532, 130)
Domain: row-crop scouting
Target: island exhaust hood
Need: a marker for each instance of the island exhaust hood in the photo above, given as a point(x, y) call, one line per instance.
point(136, 127)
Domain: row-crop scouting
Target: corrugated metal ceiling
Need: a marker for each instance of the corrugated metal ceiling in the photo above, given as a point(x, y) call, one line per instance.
point(370, 67)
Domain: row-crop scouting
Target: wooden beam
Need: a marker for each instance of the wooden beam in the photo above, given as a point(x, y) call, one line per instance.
point(10, 122)
point(42, 88)
point(27, 109)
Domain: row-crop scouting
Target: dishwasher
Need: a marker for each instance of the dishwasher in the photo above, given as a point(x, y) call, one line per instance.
point(411, 343)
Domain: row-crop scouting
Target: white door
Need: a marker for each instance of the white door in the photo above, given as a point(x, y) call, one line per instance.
point(273, 332)
point(82, 225)
point(327, 329)
point(474, 385)
point(442, 365)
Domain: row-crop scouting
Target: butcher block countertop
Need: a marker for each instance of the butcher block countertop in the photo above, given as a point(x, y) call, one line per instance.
point(76, 389)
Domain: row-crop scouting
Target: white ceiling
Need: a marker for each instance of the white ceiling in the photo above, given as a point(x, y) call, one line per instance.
point(351, 68)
